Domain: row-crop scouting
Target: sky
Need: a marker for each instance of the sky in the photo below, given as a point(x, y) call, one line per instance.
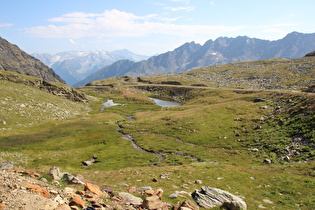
point(146, 27)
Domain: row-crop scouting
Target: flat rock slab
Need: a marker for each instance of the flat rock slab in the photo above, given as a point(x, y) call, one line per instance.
point(209, 197)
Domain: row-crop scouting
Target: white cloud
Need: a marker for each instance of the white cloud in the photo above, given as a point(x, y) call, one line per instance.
point(5, 24)
point(114, 23)
point(73, 42)
point(186, 1)
point(174, 9)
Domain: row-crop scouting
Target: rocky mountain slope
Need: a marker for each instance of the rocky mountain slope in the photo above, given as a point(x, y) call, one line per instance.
point(74, 66)
point(12, 58)
point(220, 51)
point(270, 74)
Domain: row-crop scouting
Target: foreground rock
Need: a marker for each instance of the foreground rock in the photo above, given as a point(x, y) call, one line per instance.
point(20, 189)
point(209, 197)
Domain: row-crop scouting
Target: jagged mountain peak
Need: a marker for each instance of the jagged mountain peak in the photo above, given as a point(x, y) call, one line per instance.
point(188, 46)
point(220, 51)
point(74, 66)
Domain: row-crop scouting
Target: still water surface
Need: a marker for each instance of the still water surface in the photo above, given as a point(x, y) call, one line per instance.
point(163, 103)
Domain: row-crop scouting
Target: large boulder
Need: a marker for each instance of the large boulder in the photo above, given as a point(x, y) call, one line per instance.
point(209, 197)
point(128, 198)
point(56, 173)
point(152, 202)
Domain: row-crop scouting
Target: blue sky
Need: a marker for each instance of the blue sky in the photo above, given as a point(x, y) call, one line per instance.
point(146, 27)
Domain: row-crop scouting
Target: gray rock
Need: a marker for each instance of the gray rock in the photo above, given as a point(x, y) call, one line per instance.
point(173, 195)
point(7, 165)
point(143, 188)
point(209, 197)
point(91, 161)
point(56, 173)
point(286, 158)
point(198, 181)
point(254, 150)
point(267, 161)
point(130, 199)
point(70, 179)
point(267, 201)
point(43, 180)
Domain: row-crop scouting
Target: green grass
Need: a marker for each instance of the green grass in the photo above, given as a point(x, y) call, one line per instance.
point(24, 106)
point(218, 127)
point(274, 73)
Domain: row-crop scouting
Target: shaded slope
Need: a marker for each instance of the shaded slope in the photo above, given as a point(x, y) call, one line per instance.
point(12, 58)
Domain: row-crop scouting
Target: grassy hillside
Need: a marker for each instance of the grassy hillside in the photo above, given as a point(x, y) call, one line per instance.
point(261, 75)
point(219, 136)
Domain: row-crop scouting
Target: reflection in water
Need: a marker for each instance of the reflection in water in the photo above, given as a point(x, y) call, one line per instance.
point(163, 103)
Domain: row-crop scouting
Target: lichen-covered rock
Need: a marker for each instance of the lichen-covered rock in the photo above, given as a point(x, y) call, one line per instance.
point(152, 202)
point(56, 173)
point(130, 199)
point(209, 197)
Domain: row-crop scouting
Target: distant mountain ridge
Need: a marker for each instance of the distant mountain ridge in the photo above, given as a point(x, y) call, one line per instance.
point(223, 50)
point(74, 66)
point(12, 58)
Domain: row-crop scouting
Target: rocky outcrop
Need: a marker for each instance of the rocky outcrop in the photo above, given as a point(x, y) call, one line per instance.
point(209, 197)
point(12, 58)
point(57, 89)
point(20, 189)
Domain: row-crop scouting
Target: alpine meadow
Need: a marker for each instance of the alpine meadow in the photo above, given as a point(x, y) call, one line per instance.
point(241, 137)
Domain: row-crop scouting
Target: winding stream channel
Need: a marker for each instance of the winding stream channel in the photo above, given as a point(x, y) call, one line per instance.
point(160, 155)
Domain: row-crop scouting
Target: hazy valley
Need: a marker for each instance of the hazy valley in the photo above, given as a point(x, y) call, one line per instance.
point(75, 66)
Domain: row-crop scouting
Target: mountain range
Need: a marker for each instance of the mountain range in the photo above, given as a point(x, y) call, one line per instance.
point(12, 58)
point(223, 50)
point(74, 66)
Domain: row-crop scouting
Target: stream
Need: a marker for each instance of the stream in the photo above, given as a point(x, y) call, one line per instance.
point(160, 155)
point(137, 147)
point(164, 103)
